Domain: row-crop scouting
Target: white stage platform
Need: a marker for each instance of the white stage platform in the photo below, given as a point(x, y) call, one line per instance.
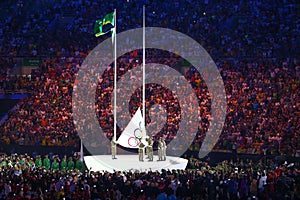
point(131, 162)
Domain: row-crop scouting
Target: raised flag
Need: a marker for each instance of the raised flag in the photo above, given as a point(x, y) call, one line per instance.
point(134, 132)
point(109, 19)
point(98, 28)
point(99, 24)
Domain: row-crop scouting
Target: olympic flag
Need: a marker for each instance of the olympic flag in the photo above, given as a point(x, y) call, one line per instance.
point(134, 132)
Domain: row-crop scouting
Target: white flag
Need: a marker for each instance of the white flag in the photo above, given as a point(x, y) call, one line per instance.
point(134, 133)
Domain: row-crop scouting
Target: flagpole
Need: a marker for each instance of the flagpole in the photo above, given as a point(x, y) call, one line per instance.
point(144, 57)
point(81, 151)
point(115, 75)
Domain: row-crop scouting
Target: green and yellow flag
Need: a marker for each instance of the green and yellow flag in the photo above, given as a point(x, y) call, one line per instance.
point(109, 19)
point(98, 27)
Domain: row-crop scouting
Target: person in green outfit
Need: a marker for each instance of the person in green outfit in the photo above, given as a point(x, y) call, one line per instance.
point(70, 164)
point(38, 161)
point(46, 162)
point(79, 164)
point(55, 165)
point(63, 164)
point(3, 163)
point(21, 161)
point(31, 163)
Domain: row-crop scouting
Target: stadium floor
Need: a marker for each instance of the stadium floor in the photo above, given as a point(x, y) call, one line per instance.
point(131, 162)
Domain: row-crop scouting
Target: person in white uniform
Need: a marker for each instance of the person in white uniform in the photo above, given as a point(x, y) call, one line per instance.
point(150, 149)
point(113, 143)
point(160, 149)
point(164, 150)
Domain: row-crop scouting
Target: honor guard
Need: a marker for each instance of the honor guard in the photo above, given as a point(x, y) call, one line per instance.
point(141, 151)
point(150, 149)
point(113, 148)
point(160, 149)
point(164, 149)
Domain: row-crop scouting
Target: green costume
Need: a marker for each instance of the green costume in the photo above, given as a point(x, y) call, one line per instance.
point(55, 165)
point(70, 165)
point(3, 163)
point(46, 163)
point(21, 161)
point(38, 162)
point(79, 164)
point(63, 165)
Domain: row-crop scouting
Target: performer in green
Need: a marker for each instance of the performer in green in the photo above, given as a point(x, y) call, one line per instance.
point(79, 164)
point(70, 164)
point(21, 161)
point(55, 165)
point(46, 162)
point(38, 161)
point(63, 164)
point(3, 163)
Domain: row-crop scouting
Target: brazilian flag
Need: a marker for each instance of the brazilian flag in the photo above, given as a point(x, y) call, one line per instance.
point(98, 28)
point(109, 19)
point(99, 24)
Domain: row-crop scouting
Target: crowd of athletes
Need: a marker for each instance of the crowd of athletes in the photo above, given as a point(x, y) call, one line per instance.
point(55, 177)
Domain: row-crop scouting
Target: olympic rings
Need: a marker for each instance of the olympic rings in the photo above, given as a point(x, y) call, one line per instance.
point(133, 142)
point(138, 133)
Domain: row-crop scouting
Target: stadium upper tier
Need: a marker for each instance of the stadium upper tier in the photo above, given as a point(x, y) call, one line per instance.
point(225, 29)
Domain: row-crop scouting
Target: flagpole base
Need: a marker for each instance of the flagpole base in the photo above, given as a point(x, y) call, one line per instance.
point(131, 162)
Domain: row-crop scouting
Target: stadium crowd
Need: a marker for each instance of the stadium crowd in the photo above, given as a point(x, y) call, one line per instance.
point(262, 107)
point(25, 177)
point(255, 45)
point(263, 91)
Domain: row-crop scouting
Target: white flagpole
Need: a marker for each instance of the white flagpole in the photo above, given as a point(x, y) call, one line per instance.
point(144, 56)
point(81, 151)
point(115, 75)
